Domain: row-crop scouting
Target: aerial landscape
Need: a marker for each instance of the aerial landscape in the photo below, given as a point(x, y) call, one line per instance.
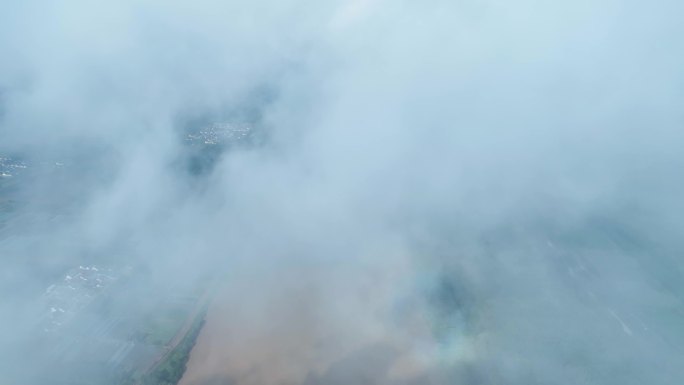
point(341, 192)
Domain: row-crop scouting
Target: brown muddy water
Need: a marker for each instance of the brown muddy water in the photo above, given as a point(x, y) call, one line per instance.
point(313, 326)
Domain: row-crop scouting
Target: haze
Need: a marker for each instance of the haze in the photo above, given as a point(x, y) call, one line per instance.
point(341, 192)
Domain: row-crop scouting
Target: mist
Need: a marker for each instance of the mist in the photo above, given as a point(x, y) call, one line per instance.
point(342, 192)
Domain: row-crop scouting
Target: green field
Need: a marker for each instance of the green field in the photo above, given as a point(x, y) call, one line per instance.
point(171, 369)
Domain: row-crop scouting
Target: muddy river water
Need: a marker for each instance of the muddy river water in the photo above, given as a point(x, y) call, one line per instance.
point(311, 326)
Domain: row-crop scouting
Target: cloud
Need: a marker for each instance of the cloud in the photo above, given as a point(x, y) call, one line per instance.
point(475, 191)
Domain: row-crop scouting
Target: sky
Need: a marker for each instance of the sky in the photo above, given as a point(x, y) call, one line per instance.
point(491, 189)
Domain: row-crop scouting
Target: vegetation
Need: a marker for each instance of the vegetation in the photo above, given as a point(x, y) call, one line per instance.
point(160, 327)
point(171, 369)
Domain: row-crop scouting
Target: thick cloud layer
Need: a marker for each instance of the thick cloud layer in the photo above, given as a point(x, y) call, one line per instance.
point(491, 189)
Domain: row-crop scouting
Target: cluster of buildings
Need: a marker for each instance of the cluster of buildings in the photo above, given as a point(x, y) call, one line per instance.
point(220, 133)
point(10, 167)
point(76, 290)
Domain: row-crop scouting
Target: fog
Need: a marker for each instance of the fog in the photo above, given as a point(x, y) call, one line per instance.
point(369, 191)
